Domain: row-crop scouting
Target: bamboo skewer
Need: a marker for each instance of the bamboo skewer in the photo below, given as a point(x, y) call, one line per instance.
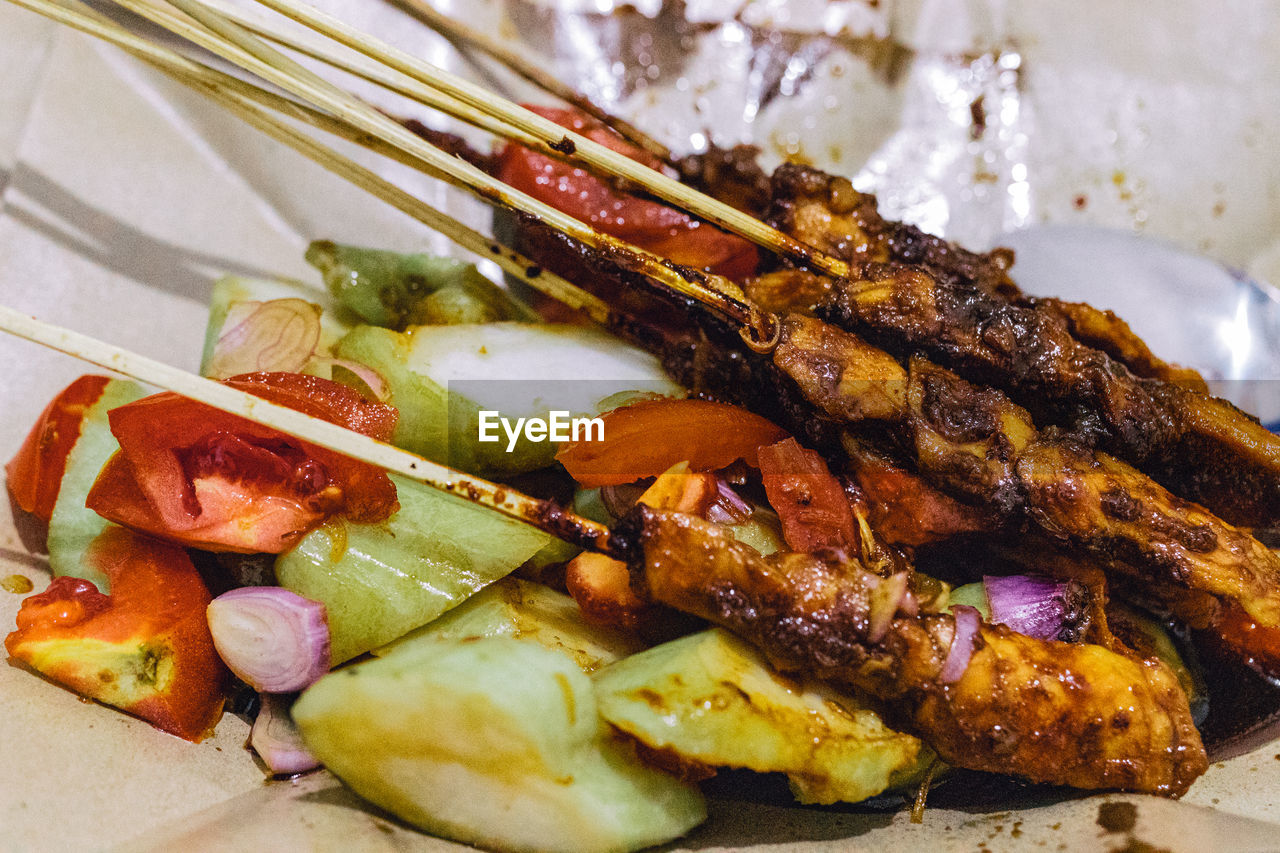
point(759, 328)
point(541, 514)
point(239, 97)
point(459, 34)
point(242, 48)
point(84, 18)
point(360, 66)
point(378, 74)
point(554, 135)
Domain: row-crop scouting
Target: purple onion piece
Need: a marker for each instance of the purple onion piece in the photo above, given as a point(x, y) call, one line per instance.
point(968, 621)
point(276, 739)
point(1039, 607)
point(272, 639)
point(728, 507)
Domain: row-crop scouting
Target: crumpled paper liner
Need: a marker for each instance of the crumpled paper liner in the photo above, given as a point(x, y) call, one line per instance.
point(124, 197)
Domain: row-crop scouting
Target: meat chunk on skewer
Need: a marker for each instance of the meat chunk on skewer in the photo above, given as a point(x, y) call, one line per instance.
point(1070, 364)
point(1079, 715)
point(981, 448)
point(1103, 330)
point(1198, 446)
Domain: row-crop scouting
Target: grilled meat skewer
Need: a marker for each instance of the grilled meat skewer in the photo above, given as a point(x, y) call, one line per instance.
point(1079, 715)
point(978, 446)
point(972, 442)
point(1198, 446)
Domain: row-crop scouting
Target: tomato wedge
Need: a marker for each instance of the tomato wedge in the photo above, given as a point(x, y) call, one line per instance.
point(601, 585)
point(145, 648)
point(809, 500)
point(35, 473)
point(647, 438)
point(651, 225)
point(203, 478)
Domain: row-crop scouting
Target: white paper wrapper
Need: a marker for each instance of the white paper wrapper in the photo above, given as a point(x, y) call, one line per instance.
point(125, 197)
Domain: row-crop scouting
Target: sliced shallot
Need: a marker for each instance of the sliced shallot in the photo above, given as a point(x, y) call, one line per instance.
point(727, 507)
point(276, 739)
point(1039, 607)
point(272, 639)
point(277, 335)
point(968, 621)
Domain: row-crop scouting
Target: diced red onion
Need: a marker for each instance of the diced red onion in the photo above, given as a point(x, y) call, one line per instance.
point(274, 640)
point(728, 507)
point(886, 598)
point(276, 739)
point(1039, 607)
point(968, 621)
point(280, 334)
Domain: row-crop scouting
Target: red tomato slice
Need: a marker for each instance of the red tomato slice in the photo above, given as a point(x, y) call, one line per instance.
point(145, 648)
point(651, 225)
point(647, 438)
point(207, 479)
point(35, 473)
point(812, 505)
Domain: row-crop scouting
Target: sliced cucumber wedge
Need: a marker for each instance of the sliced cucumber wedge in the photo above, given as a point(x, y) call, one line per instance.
point(493, 742)
point(526, 611)
point(442, 377)
point(398, 290)
point(712, 698)
point(73, 526)
point(380, 581)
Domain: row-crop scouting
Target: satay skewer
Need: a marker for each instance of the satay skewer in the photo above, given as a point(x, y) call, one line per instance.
point(587, 150)
point(465, 37)
point(243, 99)
point(544, 515)
point(232, 42)
point(1264, 568)
point(358, 65)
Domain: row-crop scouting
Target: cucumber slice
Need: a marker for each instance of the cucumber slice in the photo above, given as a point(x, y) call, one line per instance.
point(494, 742)
point(712, 698)
point(380, 581)
point(72, 526)
point(519, 370)
point(526, 611)
point(973, 595)
point(394, 290)
point(762, 531)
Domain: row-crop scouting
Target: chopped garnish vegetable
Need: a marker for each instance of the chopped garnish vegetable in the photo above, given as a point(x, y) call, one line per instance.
point(274, 640)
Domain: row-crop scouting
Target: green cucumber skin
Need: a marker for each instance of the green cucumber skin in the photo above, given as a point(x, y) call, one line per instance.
point(380, 581)
point(73, 526)
point(396, 290)
point(423, 426)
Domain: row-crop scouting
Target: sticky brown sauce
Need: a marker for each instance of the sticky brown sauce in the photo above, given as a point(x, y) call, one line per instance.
point(17, 584)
